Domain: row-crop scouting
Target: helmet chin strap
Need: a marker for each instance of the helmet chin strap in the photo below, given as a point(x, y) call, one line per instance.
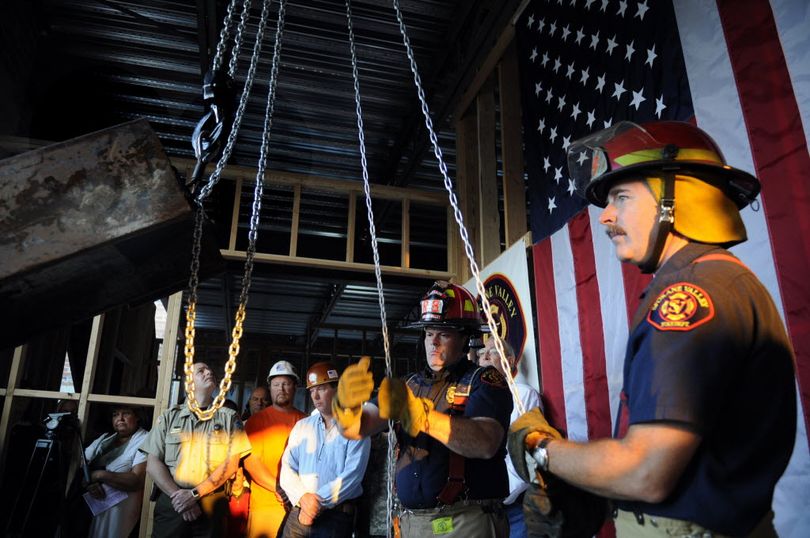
point(663, 225)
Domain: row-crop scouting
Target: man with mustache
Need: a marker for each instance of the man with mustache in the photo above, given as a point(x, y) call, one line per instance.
point(190, 459)
point(695, 451)
point(452, 417)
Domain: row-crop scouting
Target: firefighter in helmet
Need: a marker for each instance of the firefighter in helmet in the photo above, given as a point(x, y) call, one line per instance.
point(450, 421)
point(694, 451)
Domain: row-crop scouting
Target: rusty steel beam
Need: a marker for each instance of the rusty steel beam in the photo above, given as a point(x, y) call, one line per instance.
point(89, 224)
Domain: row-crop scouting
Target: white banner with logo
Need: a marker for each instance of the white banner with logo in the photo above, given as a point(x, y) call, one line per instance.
point(506, 280)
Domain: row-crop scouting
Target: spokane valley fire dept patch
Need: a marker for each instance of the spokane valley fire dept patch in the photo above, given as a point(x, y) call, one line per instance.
point(681, 307)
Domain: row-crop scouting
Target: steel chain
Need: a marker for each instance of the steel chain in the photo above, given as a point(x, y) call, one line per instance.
point(377, 271)
point(237, 40)
point(240, 109)
point(239, 318)
point(224, 34)
point(459, 218)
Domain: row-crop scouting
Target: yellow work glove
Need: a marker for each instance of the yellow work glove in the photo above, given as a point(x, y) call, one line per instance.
point(397, 402)
point(524, 434)
point(354, 388)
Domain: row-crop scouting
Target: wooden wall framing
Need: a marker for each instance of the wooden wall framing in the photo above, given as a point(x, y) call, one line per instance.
point(85, 396)
point(476, 127)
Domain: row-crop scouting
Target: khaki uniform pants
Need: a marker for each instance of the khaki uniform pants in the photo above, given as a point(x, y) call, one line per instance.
point(627, 526)
point(463, 519)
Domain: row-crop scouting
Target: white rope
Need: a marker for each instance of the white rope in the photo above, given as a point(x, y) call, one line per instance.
point(448, 185)
point(389, 468)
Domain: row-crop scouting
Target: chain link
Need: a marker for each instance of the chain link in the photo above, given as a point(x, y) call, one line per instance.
point(238, 38)
point(224, 34)
point(239, 318)
point(243, 100)
point(377, 271)
point(459, 218)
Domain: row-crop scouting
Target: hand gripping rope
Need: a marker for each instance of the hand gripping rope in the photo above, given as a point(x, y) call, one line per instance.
point(191, 311)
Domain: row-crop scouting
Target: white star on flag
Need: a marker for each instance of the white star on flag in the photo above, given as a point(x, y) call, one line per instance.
point(551, 204)
point(576, 111)
point(566, 33)
point(659, 106)
point(642, 9)
point(537, 89)
point(558, 174)
point(530, 21)
point(570, 71)
point(611, 44)
point(651, 56)
point(580, 35)
point(630, 50)
point(618, 90)
point(533, 55)
point(584, 76)
point(600, 83)
point(571, 187)
point(591, 119)
point(541, 125)
point(594, 40)
point(622, 8)
point(546, 164)
point(637, 99)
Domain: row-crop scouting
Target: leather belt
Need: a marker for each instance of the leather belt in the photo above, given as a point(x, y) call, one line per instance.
point(347, 507)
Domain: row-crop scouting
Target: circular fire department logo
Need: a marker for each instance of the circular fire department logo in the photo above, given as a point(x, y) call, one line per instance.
point(681, 307)
point(506, 309)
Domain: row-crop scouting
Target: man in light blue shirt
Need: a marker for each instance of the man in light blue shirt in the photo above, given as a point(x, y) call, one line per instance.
point(322, 471)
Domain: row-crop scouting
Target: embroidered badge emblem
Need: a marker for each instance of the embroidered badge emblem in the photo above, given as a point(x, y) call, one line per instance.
point(491, 376)
point(450, 395)
point(681, 307)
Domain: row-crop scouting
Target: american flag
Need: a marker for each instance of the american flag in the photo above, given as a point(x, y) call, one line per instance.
point(739, 70)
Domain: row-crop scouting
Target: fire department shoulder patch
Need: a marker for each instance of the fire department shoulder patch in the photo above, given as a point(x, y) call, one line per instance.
point(681, 307)
point(493, 377)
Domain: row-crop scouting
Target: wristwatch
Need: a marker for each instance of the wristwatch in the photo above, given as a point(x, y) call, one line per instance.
point(540, 454)
point(195, 493)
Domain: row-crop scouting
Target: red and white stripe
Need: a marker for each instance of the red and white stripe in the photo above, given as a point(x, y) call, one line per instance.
point(748, 63)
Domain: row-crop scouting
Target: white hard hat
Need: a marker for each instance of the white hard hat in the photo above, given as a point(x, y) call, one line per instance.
point(282, 368)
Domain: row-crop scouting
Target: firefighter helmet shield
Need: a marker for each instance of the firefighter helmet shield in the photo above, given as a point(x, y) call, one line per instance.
point(448, 305)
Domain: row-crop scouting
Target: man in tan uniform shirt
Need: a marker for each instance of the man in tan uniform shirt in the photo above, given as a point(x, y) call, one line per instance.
point(190, 460)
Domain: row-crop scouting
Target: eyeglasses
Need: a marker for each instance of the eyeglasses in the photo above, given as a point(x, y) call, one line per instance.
point(492, 353)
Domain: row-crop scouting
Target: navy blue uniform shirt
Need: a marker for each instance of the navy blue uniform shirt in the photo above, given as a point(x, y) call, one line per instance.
point(708, 352)
point(422, 466)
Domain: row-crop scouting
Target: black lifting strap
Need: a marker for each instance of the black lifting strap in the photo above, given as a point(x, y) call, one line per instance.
point(664, 224)
point(455, 485)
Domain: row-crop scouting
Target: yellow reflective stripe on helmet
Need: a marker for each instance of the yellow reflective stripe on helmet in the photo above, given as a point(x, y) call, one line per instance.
point(646, 155)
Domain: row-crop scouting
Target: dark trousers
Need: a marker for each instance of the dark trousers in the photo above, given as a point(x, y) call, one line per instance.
point(328, 524)
point(211, 524)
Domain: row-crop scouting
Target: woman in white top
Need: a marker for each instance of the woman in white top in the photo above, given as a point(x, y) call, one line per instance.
point(116, 466)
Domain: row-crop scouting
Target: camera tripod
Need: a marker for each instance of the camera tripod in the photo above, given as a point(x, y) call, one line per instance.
point(42, 490)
